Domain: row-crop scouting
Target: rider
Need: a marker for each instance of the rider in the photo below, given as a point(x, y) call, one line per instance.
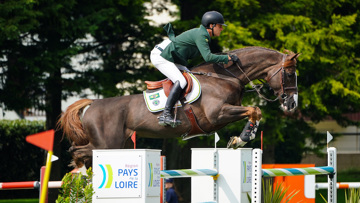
point(171, 55)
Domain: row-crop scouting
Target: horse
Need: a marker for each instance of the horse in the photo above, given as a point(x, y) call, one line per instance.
point(109, 123)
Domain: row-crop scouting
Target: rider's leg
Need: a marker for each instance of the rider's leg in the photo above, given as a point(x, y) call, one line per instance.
point(168, 68)
point(171, 71)
point(166, 118)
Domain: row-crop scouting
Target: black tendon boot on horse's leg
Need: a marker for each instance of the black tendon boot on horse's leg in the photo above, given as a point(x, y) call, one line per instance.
point(248, 133)
point(174, 95)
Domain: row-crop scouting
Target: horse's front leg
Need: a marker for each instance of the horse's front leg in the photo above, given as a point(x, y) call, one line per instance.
point(249, 132)
point(231, 113)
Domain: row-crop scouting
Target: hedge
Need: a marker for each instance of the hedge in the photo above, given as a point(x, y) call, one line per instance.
point(20, 161)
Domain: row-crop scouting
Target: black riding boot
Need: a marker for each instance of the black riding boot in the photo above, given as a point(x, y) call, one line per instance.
point(174, 95)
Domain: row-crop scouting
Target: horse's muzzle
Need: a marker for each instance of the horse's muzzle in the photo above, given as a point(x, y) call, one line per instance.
point(290, 103)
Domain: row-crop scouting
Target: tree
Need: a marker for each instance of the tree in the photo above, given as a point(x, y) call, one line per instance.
point(39, 38)
point(329, 66)
point(327, 35)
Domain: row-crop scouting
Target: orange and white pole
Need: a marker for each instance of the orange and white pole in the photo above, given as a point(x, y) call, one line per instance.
point(339, 185)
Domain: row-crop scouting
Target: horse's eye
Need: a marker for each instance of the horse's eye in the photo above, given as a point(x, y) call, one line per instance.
point(290, 74)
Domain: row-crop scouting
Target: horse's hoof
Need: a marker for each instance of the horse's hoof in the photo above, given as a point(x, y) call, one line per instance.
point(229, 144)
point(235, 142)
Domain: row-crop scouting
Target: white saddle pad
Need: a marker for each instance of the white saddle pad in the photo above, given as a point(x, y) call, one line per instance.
point(156, 99)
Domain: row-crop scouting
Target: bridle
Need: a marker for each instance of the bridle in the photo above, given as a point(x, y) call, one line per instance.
point(283, 77)
point(281, 70)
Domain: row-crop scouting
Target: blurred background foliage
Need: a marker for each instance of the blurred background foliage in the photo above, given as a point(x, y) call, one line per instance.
point(51, 50)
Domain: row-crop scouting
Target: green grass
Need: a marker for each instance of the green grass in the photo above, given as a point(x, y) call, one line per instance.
point(19, 200)
point(340, 196)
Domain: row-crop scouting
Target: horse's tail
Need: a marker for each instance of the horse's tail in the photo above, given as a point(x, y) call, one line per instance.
point(70, 122)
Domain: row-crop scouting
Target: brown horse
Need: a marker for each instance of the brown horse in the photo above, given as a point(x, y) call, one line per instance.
point(109, 123)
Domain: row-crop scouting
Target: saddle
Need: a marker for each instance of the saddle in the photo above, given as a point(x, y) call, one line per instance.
point(167, 84)
point(153, 96)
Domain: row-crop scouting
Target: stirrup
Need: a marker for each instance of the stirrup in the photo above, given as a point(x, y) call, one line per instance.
point(168, 120)
point(175, 123)
point(162, 120)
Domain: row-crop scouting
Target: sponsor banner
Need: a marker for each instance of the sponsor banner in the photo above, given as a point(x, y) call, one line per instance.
point(117, 176)
point(126, 174)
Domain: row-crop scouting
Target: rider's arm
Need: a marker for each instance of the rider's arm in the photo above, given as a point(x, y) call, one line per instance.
point(203, 46)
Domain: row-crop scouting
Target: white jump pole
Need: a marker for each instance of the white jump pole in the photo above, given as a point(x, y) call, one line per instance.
point(258, 172)
point(256, 176)
point(332, 195)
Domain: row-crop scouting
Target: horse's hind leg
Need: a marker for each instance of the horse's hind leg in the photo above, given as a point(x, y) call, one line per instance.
point(82, 155)
point(126, 141)
point(129, 144)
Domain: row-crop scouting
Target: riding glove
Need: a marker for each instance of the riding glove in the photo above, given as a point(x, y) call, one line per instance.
point(234, 58)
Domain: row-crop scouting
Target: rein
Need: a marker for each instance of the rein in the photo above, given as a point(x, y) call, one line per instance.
point(257, 89)
point(220, 76)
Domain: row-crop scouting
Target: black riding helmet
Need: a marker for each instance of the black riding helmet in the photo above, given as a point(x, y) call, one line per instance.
point(212, 17)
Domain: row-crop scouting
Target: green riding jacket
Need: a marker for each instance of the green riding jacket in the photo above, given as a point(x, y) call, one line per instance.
point(190, 44)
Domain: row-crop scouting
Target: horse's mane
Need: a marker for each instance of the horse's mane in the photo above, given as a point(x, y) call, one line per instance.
point(238, 52)
point(251, 48)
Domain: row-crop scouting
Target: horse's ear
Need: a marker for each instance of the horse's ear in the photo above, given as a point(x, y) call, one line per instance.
point(295, 56)
point(292, 54)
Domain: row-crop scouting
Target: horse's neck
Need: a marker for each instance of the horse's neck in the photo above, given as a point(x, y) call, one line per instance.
point(256, 65)
point(256, 62)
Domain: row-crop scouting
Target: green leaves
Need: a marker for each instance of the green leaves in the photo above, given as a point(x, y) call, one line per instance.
point(235, 33)
point(40, 38)
point(14, 147)
point(76, 187)
point(17, 17)
point(328, 46)
point(276, 194)
point(279, 195)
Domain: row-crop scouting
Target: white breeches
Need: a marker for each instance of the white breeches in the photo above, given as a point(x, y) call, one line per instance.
point(168, 68)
